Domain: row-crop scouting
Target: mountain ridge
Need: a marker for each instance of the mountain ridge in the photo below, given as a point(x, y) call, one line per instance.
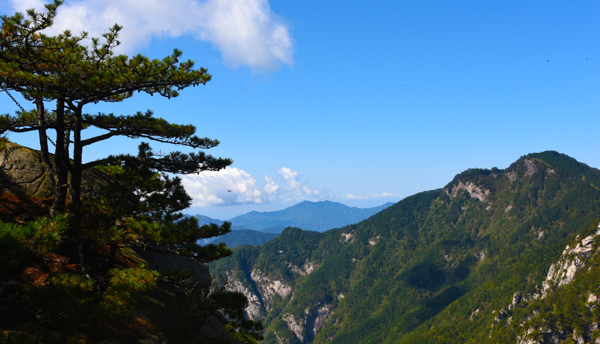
point(417, 271)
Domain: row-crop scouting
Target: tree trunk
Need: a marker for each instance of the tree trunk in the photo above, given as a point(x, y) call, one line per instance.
point(76, 171)
point(46, 164)
point(61, 159)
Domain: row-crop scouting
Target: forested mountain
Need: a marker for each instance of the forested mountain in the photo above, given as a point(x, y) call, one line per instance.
point(496, 256)
point(243, 237)
point(314, 216)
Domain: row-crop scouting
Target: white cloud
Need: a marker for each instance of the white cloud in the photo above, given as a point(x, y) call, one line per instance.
point(230, 186)
point(290, 176)
point(351, 196)
point(233, 186)
point(381, 195)
point(246, 32)
point(271, 187)
point(385, 194)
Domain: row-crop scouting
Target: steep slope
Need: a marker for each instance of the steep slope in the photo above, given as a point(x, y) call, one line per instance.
point(315, 216)
point(435, 267)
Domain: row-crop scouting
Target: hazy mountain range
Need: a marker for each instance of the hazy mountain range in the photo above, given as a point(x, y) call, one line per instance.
point(255, 228)
point(311, 216)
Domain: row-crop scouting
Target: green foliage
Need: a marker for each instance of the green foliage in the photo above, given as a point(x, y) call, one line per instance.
point(123, 290)
point(41, 235)
point(143, 205)
point(564, 312)
point(13, 337)
point(20, 244)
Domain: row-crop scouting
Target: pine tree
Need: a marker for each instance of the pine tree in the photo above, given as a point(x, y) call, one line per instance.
point(60, 69)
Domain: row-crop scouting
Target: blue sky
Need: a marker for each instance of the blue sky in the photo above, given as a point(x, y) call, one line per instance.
point(358, 102)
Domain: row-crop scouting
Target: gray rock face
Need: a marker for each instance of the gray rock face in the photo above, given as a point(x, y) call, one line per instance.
point(264, 288)
point(270, 286)
point(306, 326)
point(295, 325)
point(572, 260)
point(164, 306)
point(322, 313)
point(214, 329)
point(22, 174)
point(474, 191)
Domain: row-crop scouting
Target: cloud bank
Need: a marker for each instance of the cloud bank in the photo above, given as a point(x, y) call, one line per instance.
point(246, 32)
point(233, 186)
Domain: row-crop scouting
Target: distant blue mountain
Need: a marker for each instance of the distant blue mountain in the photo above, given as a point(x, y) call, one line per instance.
point(256, 228)
point(313, 216)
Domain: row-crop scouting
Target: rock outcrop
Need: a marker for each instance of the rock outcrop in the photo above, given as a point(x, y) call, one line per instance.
point(22, 174)
point(571, 261)
point(474, 191)
point(266, 288)
point(270, 287)
point(253, 311)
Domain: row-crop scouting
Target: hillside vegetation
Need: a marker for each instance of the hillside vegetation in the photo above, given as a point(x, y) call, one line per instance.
point(462, 264)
